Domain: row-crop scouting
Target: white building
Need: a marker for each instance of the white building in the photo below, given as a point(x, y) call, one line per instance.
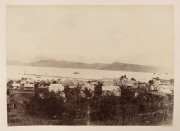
point(16, 86)
point(56, 87)
point(113, 89)
point(28, 86)
point(164, 90)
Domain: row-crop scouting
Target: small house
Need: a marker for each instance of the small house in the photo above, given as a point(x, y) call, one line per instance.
point(23, 80)
point(16, 86)
point(30, 81)
point(28, 87)
point(113, 89)
point(164, 90)
point(56, 87)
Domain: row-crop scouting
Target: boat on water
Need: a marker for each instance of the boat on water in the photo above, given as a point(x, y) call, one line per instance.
point(75, 73)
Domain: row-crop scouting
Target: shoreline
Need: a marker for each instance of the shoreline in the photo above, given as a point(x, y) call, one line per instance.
point(85, 74)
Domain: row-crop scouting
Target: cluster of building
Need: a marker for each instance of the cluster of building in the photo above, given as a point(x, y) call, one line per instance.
point(108, 87)
point(28, 85)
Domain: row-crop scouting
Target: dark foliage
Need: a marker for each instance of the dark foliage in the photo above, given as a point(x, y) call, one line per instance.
point(103, 108)
point(50, 106)
point(128, 109)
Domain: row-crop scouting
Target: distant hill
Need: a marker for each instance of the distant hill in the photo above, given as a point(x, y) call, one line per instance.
point(130, 67)
point(116, 66)
point(66, 64)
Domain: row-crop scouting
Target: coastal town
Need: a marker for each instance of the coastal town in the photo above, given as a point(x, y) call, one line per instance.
point(156, 94)
point(90, 65)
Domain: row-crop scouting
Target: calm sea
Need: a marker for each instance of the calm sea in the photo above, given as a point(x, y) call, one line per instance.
point(17, 72)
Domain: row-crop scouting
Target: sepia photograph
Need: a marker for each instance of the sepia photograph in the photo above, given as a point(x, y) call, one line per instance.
point(93, 65)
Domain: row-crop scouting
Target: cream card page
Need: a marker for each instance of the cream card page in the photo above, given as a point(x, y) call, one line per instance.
point(82, 65)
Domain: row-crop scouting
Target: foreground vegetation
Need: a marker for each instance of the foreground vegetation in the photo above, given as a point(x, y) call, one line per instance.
point(50, 108)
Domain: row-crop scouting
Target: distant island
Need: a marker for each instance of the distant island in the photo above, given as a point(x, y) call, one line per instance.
point(116, 66)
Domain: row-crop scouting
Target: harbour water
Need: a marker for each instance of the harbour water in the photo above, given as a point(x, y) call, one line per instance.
point(16, 72)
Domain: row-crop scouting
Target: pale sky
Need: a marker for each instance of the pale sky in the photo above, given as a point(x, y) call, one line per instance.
point(92, 34)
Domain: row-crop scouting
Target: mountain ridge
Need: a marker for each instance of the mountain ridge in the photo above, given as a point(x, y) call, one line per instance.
point(115, 66)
